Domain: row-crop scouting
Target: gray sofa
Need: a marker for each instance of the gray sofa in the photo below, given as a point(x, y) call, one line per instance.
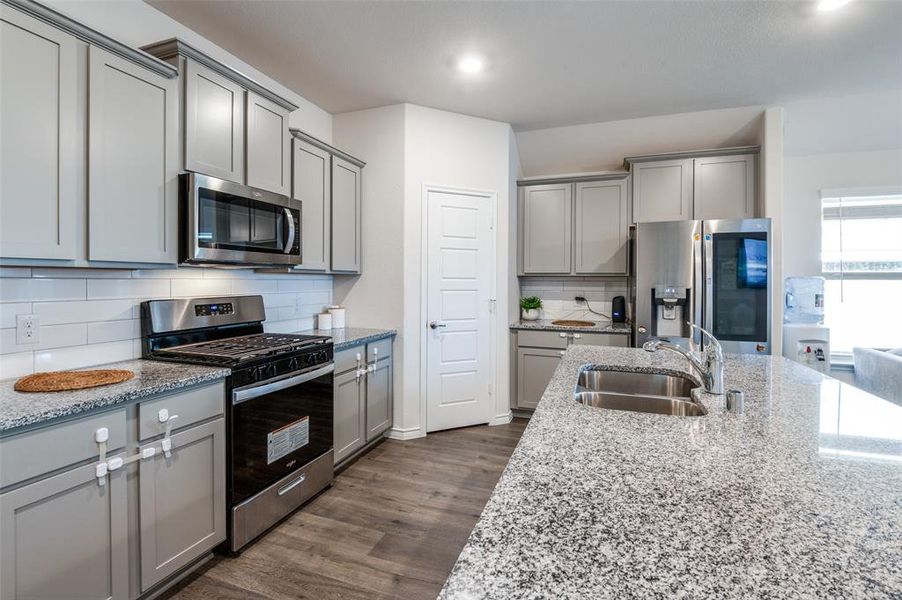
point(879, 372)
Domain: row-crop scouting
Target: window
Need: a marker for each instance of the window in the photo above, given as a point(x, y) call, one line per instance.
point(861, 256)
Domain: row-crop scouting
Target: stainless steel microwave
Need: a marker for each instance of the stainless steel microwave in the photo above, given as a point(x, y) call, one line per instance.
point(230, 224)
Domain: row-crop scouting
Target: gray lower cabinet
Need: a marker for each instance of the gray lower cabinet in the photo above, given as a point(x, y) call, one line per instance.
point(311, 186)
point(39, 152)
point(724, 187)
point(132, 162)
point(600, 228)
point(379, 398)
point(346, 216)
point(268, 146)
point(182, 502)
point(364, 396)
point(662, 190)
point(349, 433)
point(538, 354)
point(535, 366)
point(65, 537)
point(546, 228)
point(213, 122)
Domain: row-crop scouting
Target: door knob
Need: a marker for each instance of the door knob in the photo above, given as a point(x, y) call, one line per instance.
point(436, 325)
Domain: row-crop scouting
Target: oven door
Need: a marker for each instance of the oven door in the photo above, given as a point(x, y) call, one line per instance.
point(276, 427)
point(234, 224)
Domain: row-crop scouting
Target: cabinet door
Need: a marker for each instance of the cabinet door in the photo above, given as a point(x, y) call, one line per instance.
point(38, 149)
point(214, 124)
point(132, 162)
point(182, 502)
point(311, 186)
point(725, 187)
point(619, 340)
point(601, 229)
point(346, 218)
point(350, 415)
point(65, 537)
point(662, 191)
point(379, 399)
point(545, 228)
point(268, 146)
point(535, 366)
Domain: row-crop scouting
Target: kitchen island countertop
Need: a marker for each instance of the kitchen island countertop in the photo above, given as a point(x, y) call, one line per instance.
point(799, 497)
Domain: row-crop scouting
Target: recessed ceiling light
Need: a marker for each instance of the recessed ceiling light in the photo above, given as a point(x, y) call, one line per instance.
point(470, 64)
point(828, 5)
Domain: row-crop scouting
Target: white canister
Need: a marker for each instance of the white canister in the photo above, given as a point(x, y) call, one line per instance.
point(338, 317)
point(324, 321)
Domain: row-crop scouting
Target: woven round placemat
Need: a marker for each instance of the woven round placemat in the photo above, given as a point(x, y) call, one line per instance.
point(63, 381)
point(570, 323)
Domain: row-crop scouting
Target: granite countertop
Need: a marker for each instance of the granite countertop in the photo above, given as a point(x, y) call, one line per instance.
point(19, 409)
point(352, 336)
point(600, 327)
point(799, 497)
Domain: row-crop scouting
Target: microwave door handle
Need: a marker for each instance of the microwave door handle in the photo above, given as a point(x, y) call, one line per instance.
point(240, 396)
point(291, 232)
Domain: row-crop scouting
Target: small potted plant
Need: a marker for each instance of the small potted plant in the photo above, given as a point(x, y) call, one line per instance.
point(530, 308)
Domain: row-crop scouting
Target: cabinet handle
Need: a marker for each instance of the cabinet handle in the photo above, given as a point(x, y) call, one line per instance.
point(563, 352)
point(562, 335)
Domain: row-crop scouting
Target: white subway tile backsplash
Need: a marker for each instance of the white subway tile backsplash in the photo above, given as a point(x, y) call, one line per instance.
point(51, 336)
point(16, 365)
point(112, 331)
point(182, 288)
point(83, 356)
point(105, 289)
point(558, 295)
point(8, 313)
point(28, 290)
point(91, 316)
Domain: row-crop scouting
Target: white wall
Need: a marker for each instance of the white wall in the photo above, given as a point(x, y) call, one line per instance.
point(451, 150)
point(91, 316)
point(603, 146)
point(137, 24)
point(844, 142)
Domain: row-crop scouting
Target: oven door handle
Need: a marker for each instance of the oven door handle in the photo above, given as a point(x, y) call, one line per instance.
point(291, 232)
point(240, 396)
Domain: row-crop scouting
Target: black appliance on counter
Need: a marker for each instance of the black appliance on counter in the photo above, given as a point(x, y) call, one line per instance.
point(279, 404)
point(618, 309)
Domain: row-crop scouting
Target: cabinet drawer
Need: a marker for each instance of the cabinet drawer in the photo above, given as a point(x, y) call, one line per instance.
point(346, 359)
point(381, 348)
point(192, 406)
point(601, 339)
point(40, 451)
point(541, 339)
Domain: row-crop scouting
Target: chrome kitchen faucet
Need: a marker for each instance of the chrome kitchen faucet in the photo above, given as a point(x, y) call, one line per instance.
point(711, 369)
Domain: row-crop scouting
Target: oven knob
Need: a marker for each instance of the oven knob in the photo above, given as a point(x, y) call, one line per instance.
point(253, 373)
point(310, 359)
point(270, 370)
point(322, 356)
point(293, 363)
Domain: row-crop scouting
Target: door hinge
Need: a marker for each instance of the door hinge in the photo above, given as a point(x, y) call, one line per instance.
point(492, 304)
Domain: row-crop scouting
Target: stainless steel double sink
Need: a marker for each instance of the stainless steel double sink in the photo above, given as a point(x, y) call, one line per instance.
point(640, 392)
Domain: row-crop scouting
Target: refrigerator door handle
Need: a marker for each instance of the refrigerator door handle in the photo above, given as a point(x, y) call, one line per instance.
point(707, 316)
point(698, 289)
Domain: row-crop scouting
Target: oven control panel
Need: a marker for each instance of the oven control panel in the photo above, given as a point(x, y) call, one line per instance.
point(213, 310)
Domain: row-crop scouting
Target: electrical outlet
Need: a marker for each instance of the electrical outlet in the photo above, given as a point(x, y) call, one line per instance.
point(28, 329)
point(579, 299)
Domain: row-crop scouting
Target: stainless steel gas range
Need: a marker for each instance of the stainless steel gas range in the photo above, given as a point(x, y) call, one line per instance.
point(279, 402)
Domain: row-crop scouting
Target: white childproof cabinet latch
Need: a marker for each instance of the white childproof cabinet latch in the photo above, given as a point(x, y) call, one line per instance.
point(105, 466)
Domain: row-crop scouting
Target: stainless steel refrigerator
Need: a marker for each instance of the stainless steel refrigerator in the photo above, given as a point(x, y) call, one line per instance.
point(715, 274)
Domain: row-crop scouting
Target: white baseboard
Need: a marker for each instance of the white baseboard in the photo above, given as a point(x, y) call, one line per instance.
point(502, 419)
point(412, 433)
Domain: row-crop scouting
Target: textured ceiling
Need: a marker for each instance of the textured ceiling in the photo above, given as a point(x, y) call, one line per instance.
point(558, 63)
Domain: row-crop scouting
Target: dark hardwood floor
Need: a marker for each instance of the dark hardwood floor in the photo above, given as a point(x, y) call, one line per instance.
point(391, 526)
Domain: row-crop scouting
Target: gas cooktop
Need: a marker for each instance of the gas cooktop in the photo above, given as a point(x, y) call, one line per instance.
point(240, 349)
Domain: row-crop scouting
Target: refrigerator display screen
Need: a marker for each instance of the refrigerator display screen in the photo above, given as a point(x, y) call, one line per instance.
point(739, 290)
point(752, 270)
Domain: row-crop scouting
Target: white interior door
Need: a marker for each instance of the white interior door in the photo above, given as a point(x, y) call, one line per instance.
point(460, 262)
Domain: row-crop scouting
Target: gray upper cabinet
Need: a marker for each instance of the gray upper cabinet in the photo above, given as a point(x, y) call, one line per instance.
point(132, 162)
point(65, 537)
point(600, 228)
point(346, 216)
point(214, 123)
point(268, 145)
point(725, 187)
point(311, 185)
point(545, 228)
point(662, 190)
point(182, 502)
point(39, 151)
